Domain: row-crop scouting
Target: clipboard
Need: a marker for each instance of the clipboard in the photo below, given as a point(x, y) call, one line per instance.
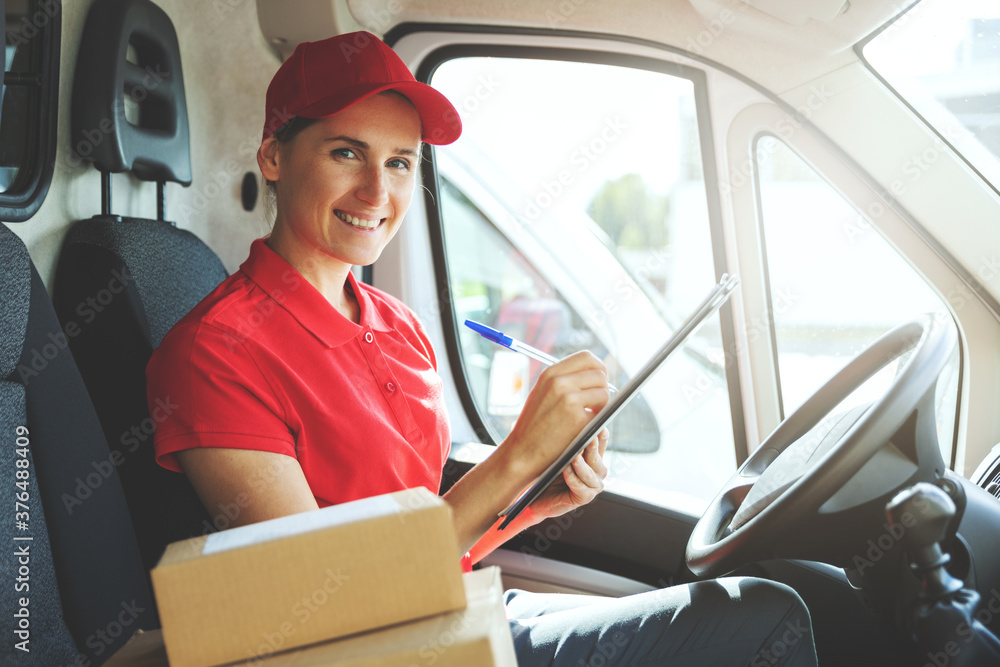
point(709, 305)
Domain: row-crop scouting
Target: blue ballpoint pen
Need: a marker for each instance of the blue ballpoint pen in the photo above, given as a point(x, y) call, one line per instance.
point(514, 344)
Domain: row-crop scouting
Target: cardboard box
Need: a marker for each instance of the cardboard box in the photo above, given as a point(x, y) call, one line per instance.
point(479, 635)
point(254, 590)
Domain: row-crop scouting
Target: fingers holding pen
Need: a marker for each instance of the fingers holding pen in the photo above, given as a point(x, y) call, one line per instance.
point(580, 380)
point(580, 361)
point(561, 403)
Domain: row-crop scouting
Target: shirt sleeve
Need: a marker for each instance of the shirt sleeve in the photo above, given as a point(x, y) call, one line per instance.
point(204, 389)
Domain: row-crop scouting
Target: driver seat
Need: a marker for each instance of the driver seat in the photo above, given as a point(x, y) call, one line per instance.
point(83, 581)
point(126, 281)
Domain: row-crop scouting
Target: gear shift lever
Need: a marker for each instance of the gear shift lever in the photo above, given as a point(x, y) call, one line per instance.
point(943, 623)
point(932, 510)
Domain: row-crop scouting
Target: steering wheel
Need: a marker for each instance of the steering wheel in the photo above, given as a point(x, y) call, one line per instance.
point(789, 477)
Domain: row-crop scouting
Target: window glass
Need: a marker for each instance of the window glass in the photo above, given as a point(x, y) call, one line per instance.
point(27, 114)
point(574, 214)
point(835, 283)
point(943, 57)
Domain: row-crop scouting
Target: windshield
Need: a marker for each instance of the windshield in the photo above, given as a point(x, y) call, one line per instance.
point(943, 58)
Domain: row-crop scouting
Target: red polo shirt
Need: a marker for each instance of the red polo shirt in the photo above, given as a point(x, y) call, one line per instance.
point(265, 362)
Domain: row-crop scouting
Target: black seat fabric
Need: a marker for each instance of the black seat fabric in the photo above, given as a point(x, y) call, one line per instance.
point(168, 270)
point(86, 589)
point(124, 283)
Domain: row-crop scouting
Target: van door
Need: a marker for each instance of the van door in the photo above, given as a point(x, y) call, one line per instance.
point(600, 187)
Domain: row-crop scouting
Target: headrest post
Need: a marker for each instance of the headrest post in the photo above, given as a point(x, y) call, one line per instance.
point(106, 193)
point(161, 200)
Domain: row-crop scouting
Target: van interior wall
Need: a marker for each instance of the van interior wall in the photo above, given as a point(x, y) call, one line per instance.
point(227, 66)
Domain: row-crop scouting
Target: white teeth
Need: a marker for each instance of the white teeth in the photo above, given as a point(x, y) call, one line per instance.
point(357, 222)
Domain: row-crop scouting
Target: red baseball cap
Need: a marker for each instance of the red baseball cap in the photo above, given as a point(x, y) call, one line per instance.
point(322, 78)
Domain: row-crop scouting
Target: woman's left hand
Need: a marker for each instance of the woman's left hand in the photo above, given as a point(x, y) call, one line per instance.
point(581, 482)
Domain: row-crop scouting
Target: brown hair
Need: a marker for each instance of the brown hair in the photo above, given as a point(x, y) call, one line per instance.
point(282, 135)
point(291, 129)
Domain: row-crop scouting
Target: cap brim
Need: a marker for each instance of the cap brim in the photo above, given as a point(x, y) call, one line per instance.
point(439, 120)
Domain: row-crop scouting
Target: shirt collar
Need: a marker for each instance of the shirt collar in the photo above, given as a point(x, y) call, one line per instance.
point(286, 286)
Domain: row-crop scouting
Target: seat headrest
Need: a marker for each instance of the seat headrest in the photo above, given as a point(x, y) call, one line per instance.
point(157, 148)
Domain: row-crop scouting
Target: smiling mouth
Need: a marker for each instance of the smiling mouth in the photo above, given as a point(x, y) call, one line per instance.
point(360, 223)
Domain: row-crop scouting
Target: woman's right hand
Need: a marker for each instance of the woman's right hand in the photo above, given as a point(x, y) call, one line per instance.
point(565, 398)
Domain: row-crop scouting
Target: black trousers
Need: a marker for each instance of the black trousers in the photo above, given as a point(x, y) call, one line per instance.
point(735, 621)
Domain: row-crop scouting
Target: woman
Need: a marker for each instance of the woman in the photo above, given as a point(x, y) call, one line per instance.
point(300, 387)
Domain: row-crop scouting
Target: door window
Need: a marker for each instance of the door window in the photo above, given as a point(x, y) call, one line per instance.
point(575, 216)
point(836, 284)
point(28, 105)
point(943, 58)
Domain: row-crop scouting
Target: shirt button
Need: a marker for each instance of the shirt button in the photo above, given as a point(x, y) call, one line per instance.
point(390, 387)
point(369, 337)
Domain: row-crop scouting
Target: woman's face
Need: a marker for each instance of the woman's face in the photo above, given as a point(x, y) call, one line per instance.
point(345, 182)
